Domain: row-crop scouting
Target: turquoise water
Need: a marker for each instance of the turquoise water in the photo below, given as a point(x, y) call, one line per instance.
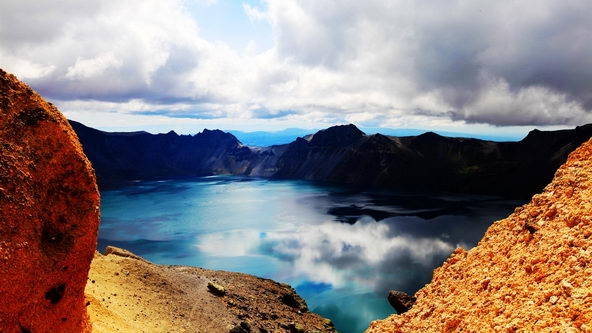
point(341, 248)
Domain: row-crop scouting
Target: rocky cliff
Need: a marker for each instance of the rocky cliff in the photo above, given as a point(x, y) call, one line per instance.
point(341, 154)
point(49, 216)
point(530, 272)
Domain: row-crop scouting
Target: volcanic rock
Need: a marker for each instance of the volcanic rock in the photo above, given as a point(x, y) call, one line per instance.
point(216, 289)
point(530, 272)
point(49, 216)
point(400, 301)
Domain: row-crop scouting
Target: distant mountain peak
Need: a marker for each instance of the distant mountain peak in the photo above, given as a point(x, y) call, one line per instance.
point(218, 136)
point(341, 135)
point(430, 135)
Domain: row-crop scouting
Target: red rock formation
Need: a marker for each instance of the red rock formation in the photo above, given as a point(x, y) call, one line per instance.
point(49, 215)
point(531, 272)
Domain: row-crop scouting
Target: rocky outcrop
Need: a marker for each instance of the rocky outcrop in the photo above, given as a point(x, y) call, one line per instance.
point(400, 301)
point(129, 294)
point(530, 272)
point(342, 155)
point(49, 216)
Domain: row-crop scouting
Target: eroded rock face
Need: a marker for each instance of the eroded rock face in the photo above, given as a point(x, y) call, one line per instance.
point(530, 272)
point(49, 215)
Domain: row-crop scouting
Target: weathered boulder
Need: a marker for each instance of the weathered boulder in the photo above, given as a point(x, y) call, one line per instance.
point(216, 289)
point(401, 301)
point(49, 216)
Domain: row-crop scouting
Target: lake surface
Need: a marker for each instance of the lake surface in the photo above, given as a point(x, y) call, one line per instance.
point(341, 248)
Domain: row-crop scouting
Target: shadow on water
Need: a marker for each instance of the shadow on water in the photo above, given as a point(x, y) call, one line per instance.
point(347, 207)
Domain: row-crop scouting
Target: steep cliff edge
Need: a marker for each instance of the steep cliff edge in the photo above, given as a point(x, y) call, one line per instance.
point(530, 272)
point(49, 216)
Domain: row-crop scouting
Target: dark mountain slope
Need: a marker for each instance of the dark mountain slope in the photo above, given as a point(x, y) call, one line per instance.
point(343, 155)
point(432, 162)
point(318, 157)
point(120, 157)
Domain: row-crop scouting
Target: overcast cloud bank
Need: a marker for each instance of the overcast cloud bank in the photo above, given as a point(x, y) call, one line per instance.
point(398, 63)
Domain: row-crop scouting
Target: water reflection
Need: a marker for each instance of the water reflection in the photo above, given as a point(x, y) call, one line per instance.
point(330, 253)
point(342, 249)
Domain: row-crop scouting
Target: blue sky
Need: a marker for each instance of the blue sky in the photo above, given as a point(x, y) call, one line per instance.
point(488, 67)
point(227, 21)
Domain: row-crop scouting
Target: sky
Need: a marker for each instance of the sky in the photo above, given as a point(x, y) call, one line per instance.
point(480, 66)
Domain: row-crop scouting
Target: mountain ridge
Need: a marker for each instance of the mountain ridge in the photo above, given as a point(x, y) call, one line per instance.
point(340, 154)
point(285, 136)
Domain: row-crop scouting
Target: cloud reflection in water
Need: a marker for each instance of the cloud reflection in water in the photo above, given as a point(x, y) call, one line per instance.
point(333, 253)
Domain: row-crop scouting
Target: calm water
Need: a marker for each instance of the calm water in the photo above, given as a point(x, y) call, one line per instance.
point(341, 248)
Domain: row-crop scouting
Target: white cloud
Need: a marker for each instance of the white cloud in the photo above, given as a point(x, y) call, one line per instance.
point(88, 68)
point(25, 68)
point(373, 62)
point(537, 105)
point(333, 253)
point(255, 14)
point(205, 2)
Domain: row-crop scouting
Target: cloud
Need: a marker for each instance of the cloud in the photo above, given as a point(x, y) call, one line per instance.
point(533, 105)
point(87, 68)
point(107, 51)
point(486, 57)
point(446, 50)
point(338, 254)
point(271, 114)
point(394, 63)
point(255, 14)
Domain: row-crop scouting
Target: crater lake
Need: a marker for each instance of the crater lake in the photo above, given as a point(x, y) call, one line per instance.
point(341, 248)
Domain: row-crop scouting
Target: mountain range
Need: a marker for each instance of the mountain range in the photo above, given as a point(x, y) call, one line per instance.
point(342, 155)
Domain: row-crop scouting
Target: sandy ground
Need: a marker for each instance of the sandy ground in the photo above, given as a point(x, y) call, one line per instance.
point(125, 293)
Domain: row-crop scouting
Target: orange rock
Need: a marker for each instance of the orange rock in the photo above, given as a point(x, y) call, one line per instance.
point(533, 268)
point(49, 215)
